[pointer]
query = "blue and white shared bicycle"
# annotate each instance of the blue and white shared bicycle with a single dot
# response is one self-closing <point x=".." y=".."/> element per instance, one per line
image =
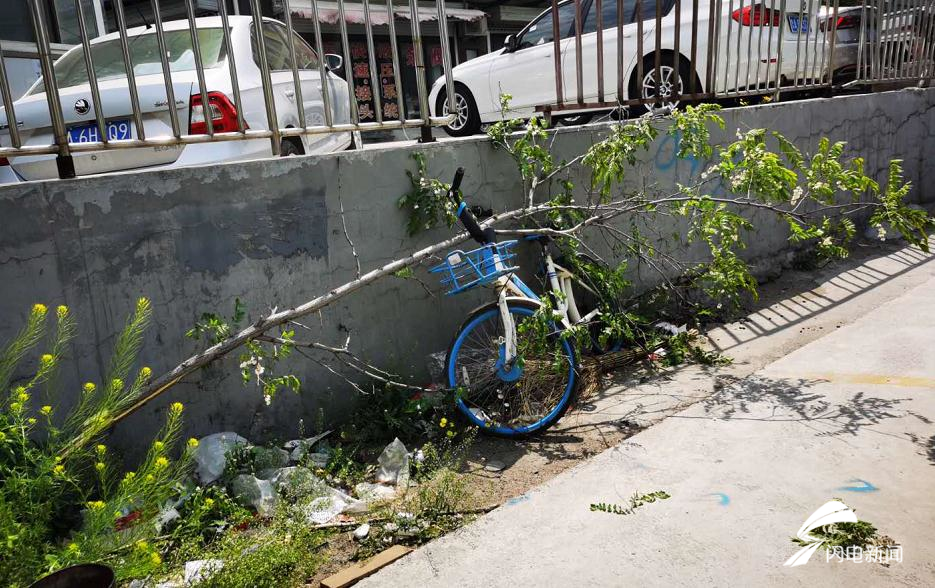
<point x="511" y="380"/>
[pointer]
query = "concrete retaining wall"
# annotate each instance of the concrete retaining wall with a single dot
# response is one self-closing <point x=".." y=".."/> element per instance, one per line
<point x="270" y="233"/>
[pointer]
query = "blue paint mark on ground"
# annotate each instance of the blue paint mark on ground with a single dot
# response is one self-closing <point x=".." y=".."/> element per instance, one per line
<point x="864" y="486"/>
<point x="723" y="499"/>
<point x="517" y="499"/>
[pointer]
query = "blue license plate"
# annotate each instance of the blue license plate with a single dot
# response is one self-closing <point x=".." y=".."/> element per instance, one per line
<point x="117" y="130"/>
<point x="794" y="23"/>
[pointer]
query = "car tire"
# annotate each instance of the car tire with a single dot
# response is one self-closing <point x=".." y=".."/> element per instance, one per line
<point x="291" y="146"/>
<point x="665" y="66"/>
<point x="468" y="121"/>
<point x="576" y="120"/>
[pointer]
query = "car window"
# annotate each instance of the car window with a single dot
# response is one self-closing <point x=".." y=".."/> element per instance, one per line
<point x="304" y="55"/>
<point x="540" y="31"/>
<point x="277" y="50"/>
<point x="609" y="13"/>
<point x="70" y="69"/>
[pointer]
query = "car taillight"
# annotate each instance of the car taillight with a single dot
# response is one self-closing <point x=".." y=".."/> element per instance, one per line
<point x="4" y="161"/>
<point x="757" y="16"/>
<point x="223" y="114"/>
<point x="847" y="21"/>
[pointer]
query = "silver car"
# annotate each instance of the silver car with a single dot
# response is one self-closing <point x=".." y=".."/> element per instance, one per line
<point x="33" y="120"/>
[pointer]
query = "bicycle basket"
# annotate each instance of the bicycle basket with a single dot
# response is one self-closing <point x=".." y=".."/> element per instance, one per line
<point x="462" y="270"/>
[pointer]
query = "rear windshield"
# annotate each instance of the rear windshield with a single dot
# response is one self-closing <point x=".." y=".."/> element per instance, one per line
<point x="144" y="53"/>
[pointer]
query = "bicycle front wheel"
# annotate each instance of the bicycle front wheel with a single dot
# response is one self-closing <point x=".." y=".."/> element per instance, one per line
<point x="515" y="400"/>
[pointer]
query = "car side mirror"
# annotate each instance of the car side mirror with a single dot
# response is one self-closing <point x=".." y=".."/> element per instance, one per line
<point x="333" y="62"/>
<point x="510" y="43"/>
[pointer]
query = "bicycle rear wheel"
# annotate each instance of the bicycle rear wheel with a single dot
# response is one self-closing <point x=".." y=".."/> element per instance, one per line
<point x="511" y="401"/>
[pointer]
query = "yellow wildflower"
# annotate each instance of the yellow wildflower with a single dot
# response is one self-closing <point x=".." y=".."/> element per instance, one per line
<point x="176" y="408"/>
<point x="192" y="443"/>
<point x="16" y="406"/>
<point x="99" y="466"/>
<point x="30" y="420"/>
<point x="209" y="502"/>
<point x="142" y="545"/>
<point x="101" y="449"/>
<point x="129" y="476"/>
<point x="59" y="470"/>
<point x="73" y="548"/>
<point x="46" y="410"/>
<point x="450" y="434"/>
<point x="161" y="463"/>
<point x="22" y="397"/>
<point x="159" y="445"/>
<point x="61" y="311"/>
<point x="146" y="372"/>
<point x="46" y="358"/>
<point x="154" y="557"/>
<point x="117" y="384"/>
<point x="443" y="423"/>
<point x="149" y="478"/>
<point x="96" y="505"/>
<point x="39" y="309"/>
<point x="89" y="387"/>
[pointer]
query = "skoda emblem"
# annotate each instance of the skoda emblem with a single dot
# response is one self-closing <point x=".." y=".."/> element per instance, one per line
<point x="82" y="106"/>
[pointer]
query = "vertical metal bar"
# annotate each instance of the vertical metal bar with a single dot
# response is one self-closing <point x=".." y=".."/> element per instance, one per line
<point x="557" y="55"/>
<point x="266" y="78"/>
<point x="798" y="44"/>
<point x="600" y="50"/>
<point x="769" y="44"/>
<point x="781" y="40"/>
<point x="676" y="56"/>
<point x="323" y="74"/>
<point x="815" y="29"/>
<point x="131" y="75"/>
<point x="419" y="58"/>
<point x="199" y="68"/>
<point x="916" y="42"/>
<point x="692" y="86"/>
<point x="834" y="41"/>
<point x="620" y="64"/>
<point x="861" y="40"/>
<point x="372" y="62"/>
<point x="740" y="29"/>
<point x="639" y="50"/>
<point x="64" y="161"/>
<point x="296" y="79"/>
<point x="391" y="18"/>
<point x="878" y="48"/>
<point x="232" y="64"/>
<point x="657" y="54"/>
<point x="92" y="76"/>
<point x="446" y="52"/>
<point x="166" y="72"/>
<point x="349" y="66"/>
<point x="727" y="44"/>
<point x="579" y="73"/>
<point x="891" y="20"/>
<point x="746" y="81"/>
<point x="714" y="46"/>
<point x="899" y="49"/>
<point x="9" y="110"/>
<point x="925" y="67"/>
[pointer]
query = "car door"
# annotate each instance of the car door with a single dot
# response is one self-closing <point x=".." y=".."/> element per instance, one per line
<point x="528" y="72"/>
<point x="279" y="63"/>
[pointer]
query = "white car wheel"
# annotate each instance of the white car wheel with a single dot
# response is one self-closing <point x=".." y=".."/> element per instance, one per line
<point x="670" y="85"/>
<point x="463" y="112"/>
<point x="467" y="120"/>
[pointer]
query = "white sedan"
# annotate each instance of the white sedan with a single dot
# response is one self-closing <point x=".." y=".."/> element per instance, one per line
<point x="35" y="128"/>
<point x="524" y="68"/>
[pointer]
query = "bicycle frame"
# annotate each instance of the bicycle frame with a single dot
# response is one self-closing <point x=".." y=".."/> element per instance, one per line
<point x="560" y="282"/>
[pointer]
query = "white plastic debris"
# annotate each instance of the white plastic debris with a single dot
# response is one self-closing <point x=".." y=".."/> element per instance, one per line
<point x="200" y="569"/>
<point x="373" y="492"/>
<point x="670" y="328"/>
<point x="255" y="492"/>
<point x="361" y="532"/>
<point x="166" y="517"/>
<point x="494" y="466"/>
<point x="418" y="456"/>
<point x="436" y="365"/>
<point x="297" y="448"/>
<point x="319" y="460"/>
<point x="324" y="508"/>
<point x="394" y="464"/>
<point x="211" y="455"/>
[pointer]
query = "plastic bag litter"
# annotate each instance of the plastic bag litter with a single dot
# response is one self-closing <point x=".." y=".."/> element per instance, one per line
<point x="324" y="508"/>
<point x="297" y="448"/>
<point x="394" y="464"/>
<point x="373" y="492"/>
<point x="211" y="455"/>
<point x="254" y="492"/>
<point x="670" y="328"/>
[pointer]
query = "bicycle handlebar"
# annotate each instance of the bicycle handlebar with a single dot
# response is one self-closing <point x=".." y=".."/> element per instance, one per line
<point x="464" y="214"/>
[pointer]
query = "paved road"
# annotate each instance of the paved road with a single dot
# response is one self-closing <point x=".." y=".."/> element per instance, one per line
<point x="850" y="415"/>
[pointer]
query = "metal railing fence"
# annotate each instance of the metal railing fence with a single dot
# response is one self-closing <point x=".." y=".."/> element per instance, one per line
<point x="274" y="132"/>
<point x="658" y="52"/>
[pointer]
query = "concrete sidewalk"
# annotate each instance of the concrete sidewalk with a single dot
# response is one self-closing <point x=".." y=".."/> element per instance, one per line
<point x="849" y="415"/>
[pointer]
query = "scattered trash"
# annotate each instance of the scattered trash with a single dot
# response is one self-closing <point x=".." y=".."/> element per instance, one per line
<point x="210" y="455"/>
<point x="296" y="482"/>
<point x="670" y="328"/>
<point x="299" y="447"/>
<point x="325" y="508"/>
<point x="373" y="492"/>
<point x="166" y="517"/>
<point x="251" y="491"/>
<point x="361" y="532"/>
<point x="494" y="466"/>
<point x="435" y="362"/>
<point x="265" y="458"/>
<point x="394" y="464"/>
<point x="319" y="460"/>
<point x="418" y="456"/>
<point x="200" y="569"/>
